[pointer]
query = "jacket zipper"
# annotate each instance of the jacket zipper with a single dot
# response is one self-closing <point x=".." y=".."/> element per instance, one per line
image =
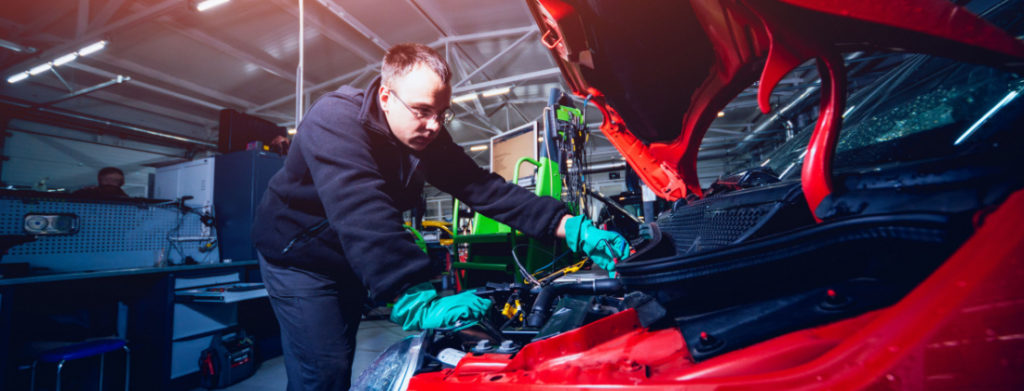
<point x="306" y="234"/>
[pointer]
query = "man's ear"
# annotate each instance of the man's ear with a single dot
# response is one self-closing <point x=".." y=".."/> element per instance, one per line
<point x="382" y="98"/>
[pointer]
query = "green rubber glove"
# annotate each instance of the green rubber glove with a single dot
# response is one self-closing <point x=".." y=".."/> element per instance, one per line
<point x="603" y="247"/>
<point x="420" y="308"/>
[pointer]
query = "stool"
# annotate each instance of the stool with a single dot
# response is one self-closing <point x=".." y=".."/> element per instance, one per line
<point x="83" y="350"/>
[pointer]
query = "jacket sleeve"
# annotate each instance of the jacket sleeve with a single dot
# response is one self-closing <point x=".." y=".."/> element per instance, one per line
<point x="338" y="153"/>
<point x="454" y="172"/>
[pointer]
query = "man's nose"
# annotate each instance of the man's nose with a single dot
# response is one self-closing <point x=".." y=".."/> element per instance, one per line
<point x="433" y="124"/>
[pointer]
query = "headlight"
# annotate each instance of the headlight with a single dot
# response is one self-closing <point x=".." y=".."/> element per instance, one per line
<point x="391" y="370"/>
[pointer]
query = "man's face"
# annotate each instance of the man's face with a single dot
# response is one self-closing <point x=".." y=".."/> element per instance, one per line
<point x="413" y="106"/>
<point x="112" y="179"/>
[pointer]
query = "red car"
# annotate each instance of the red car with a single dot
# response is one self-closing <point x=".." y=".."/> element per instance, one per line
<point x="878" y="248"/>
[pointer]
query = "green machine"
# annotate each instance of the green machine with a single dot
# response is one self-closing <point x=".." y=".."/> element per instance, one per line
<point x="492" y="247"/>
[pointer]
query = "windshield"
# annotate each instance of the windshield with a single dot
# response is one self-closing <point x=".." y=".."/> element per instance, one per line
<point x="925" y="107"/>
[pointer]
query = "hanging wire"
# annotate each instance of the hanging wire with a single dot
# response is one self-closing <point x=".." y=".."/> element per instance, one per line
<point x="522" y="269"/>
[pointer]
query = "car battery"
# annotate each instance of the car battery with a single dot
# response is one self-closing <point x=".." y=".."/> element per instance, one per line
<point x="229" y="360"/>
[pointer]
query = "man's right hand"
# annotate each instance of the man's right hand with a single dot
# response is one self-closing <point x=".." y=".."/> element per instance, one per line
<point x="421" y="308"/>
<point x="603" y="247"/>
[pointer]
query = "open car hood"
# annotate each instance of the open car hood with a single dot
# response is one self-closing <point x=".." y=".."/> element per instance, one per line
<point x="662" y="71"/>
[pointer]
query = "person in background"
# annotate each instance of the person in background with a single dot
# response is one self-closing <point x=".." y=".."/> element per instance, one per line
<point x="109" y="181"/>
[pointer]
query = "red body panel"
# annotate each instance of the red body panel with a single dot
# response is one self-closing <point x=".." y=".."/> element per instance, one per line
<point x="963" y="327"/>
<point x="767" y="39"/>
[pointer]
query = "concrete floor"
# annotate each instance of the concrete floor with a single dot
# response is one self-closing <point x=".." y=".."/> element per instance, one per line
<point x="374" y="337"/>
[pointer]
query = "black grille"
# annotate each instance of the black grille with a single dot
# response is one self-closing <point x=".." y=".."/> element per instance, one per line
<point x="703" y="227"/>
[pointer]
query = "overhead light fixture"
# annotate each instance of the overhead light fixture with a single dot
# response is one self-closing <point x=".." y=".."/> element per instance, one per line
<point x="478" y="148"/>
<point x="92" y="48"/>
<point x="18" y="77"/>
<point x="207" y="4"/>
<point x="40" y="69"/>
<point x="85" y="51"/>
<point x="721" y="114"/>
<point x="463" y="98"/>
<point x="65" y="59"/>
<point x="984" y="118"/>
<point x="292" y="131"/>
<point x="849" y="110"/>
<point x="16" y="47"/>
<point x="496" y="92"/>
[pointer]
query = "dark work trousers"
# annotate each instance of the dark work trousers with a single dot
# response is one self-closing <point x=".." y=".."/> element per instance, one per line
<point x="319" y="316"/>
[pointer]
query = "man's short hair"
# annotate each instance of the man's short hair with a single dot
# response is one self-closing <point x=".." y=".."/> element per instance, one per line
<point x="107" y="171"/>
<point x="402" y="58"/>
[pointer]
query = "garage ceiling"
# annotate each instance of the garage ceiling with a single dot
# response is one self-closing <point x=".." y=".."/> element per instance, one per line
<point x="167" y="69"/>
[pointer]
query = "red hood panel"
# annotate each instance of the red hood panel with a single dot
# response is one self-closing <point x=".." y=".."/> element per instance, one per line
<point x="661" y="72"/>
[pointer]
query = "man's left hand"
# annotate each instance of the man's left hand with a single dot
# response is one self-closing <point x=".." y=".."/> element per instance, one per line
<point x="603" y="247"/>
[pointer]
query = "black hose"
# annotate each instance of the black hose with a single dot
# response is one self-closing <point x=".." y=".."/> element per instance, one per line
<point x="542" y="305"/>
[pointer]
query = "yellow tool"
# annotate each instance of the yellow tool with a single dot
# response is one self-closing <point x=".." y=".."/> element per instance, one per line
<point x="512" y="311"/>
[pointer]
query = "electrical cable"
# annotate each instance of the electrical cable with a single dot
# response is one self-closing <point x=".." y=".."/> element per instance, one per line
<point x="522" y="269"/>
<point x="555" y="259"/>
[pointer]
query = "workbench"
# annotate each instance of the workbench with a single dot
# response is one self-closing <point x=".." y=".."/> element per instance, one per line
<point x="157" y="322"/>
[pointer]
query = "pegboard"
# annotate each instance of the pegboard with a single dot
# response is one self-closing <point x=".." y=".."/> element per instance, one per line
<point x="112" y="234"/>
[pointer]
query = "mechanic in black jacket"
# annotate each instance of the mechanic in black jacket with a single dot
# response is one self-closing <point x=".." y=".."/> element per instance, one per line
<point x="329" y="227"/>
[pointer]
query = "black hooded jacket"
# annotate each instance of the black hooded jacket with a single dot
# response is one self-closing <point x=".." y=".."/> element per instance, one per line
<point x="336" y="205"/>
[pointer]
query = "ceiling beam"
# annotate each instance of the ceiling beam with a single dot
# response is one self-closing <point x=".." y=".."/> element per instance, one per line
<point x="108" y="97"/>
<point x="334" y="81"/>
<point x="478" y="109"/>
<point x="99" y="33"/>
<point x="61" y="117"/>
<point x="138" y="83"/>
<point x="172" y="80"/>
<point x="351" y="20"/>
<point x="233" y="48"/>
<point x="483" y="120"/>
<point x="331" y="33"/>
<point x="87" y="137"/>
<point x="445" y="32"/>
<point x="481" y="36"/>
<point x="83" y="18"/>
<point x="495" y="58"/>
<point x="85" y="91"/>
<point x="550" y="72"/>
<point x="111" y="98"/>
<point x="43" y="22"/>
<point x="106" y="13"/>
<point x="15" y="47"/>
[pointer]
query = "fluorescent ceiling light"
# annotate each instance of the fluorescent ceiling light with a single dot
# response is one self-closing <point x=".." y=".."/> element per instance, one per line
<point x="205" y="5"/>
<point x="65" y="59"/>
<point x="977" y="124"/>
<point x="18" y="77"/>
<point x="496" y="92"/>
<point x="464" y="98"/>
<point x="16" y="47"/>
<point x="477" y="148"/>
<point x="721" y="114"/>
<point x="40" y="69"/>
<point x="849" y="110"/>
<point x="92" y="48"/>
<point x="292" y="131"/>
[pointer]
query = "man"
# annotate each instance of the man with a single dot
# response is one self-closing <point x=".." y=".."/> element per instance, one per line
<point x="329" y="228"/>
<point x="109" y="181"/>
